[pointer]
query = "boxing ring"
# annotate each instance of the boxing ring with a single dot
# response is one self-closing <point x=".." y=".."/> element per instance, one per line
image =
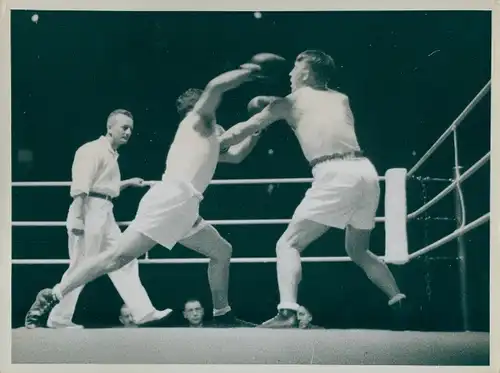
<point x="263" y="346"/>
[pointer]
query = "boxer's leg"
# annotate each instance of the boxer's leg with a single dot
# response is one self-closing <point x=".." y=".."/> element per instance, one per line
<point x="160" y="221"/>
<point x="62" y="314"/>
<point x="132" y="244"/>
<point x="357" y="245"/>
<point x="126" y="279"/>
<point x="358" y="232"/>
<point x="206" y="240"/>
<point x="297" y="237"/>
<point x="210" y="243"/>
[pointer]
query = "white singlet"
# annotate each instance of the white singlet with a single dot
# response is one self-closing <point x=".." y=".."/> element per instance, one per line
<point x="343" y="191"/>
<point x="168" y="211"/>
<point x="322" y="121"/>
<point x="194" y="153"/>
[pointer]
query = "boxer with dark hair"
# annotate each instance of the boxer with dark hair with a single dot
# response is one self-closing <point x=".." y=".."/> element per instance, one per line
<point x="168" y="211"/>
<point x="204" y="237"/>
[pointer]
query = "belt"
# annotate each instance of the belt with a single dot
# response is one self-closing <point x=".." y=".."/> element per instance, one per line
<point x="100" y="195"/>
<point x="342" y="156"/>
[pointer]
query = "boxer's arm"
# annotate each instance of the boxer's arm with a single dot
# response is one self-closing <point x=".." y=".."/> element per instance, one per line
<point x="274" y="112"/>
<point x="212" y="95"/>
<point x="237" y="153"/>
<point x="83" y="171"/>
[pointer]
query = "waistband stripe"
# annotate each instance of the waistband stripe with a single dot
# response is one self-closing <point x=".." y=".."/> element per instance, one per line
<point x="337" y="156"/>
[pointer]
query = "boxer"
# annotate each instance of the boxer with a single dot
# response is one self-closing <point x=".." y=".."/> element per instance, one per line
<point x="345" y="190"/>
<point x="170" y="208"/>
<point x="203" y="237"/>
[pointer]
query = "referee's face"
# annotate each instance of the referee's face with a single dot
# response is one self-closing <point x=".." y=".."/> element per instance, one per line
<point x="120" y="129"/>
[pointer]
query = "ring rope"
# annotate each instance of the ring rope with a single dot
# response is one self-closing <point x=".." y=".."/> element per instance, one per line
<point x="475" y="167"/>
<point x="458" y="232"/>
<point x="213" y="222"/>
<point x="451" y="128"/>
<point x="412" y="215"/>
<point x="454" y="184"/>
<point x="319" y="259"/>
<point x="297" y="180"/>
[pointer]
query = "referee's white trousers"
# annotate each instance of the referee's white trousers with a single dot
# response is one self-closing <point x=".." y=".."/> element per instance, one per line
<point x="102" y="233"/>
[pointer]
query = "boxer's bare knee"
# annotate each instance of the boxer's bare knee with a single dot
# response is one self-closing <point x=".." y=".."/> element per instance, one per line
<point x="210" y="243"/>
<point x="299" y="235"/>
<point x="286" y="243"/>
<point x="127" y="250"/>
<point x="221" y="253"/>
<point x="225" y="251"/>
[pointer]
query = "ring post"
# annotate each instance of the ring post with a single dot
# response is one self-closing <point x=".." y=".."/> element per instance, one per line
<point x="396" y="239"/>
<point x="462" y="255"/>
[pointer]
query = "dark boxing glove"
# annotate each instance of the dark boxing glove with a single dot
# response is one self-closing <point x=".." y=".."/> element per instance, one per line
<point x="265" y="65"/>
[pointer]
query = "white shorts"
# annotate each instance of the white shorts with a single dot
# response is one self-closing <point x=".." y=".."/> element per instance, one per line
<point x="167" y="212"/>
<point x="343" y="192"/>
<point x="198" y="225"/>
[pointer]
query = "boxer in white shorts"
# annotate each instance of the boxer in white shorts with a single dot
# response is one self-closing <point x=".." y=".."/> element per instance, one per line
<point x="345" y="191"/>
<point x="204" y="238"/>
<point x="170" y="208"/>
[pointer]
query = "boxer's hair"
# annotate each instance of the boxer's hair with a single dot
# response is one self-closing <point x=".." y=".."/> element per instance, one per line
<point x="321" y="64"/>
<point x="185" y="102"/>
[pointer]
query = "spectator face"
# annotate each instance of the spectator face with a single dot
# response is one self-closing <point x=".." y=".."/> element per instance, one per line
<point x="193" y="313"/>
<point x="126" y="317"/>
<point x="304" y="317"/>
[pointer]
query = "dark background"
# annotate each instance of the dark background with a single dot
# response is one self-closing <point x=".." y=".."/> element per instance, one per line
<point x="408" y="75"/>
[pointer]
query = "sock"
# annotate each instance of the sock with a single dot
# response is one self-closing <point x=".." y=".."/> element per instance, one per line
<point x="222" y="311"/>
<point x="288" y="306"/>
<point x="57" y="292"/>
<point x="396" y="299"/>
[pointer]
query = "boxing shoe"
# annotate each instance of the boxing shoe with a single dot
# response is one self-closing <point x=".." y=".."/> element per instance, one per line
<point x="155" y="318"/>
<point x="228" y="320"/>
<point x="39" y="311"/>
<point x="62" y="324"/>
<point x="283" y="320"/>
